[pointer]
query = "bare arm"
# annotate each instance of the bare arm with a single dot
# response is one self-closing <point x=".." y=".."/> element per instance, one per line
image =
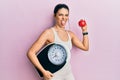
<point x="84" y="44"/>
<point x="44" y="37"/>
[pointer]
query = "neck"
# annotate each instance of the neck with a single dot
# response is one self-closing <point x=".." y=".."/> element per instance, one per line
<point x="59" y="27"/>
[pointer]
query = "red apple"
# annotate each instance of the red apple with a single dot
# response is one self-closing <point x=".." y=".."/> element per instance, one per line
<point x="82" y="23"/>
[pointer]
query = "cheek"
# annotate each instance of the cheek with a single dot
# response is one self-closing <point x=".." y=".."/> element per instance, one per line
<point x="58" y="19"/>
<point x="67" y="18"/>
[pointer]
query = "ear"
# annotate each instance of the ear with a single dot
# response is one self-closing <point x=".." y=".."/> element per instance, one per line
<point x="54" y="15"/>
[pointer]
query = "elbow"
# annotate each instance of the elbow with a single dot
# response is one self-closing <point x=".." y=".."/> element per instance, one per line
<point x="29" y="54"/>
<point x="86" y="49"/>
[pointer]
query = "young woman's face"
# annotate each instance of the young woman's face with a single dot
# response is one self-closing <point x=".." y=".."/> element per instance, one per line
<point x="62" y="17"/>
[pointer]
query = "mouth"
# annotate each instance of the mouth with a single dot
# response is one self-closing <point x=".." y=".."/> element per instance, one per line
<point x="63" y="22"/>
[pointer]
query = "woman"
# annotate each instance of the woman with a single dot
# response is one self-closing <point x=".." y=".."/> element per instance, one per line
<point x="55" y="34"/>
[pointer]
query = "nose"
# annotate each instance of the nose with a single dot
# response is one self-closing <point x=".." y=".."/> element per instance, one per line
<point x="63" y="17"/>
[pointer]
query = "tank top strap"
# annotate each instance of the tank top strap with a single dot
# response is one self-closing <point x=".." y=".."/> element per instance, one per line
<point x="69" y="38"/>
<point x="53" y="31"/>
<point x="55" y="35"/>
<point x="69" y="41"/>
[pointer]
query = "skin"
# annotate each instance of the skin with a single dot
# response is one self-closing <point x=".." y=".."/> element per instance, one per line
<point x="47" y="37"/>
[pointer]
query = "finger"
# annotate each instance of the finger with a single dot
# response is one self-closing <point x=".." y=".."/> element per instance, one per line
<point x="51" y="74"/>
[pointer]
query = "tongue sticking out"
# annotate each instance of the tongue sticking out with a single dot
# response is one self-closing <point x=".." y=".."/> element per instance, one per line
<point x="63" y="23"/>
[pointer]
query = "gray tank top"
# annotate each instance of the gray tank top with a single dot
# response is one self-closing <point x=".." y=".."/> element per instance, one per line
<point x="66" y="43"/>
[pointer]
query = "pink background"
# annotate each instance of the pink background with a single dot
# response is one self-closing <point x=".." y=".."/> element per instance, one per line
<point x="22" y="21"/>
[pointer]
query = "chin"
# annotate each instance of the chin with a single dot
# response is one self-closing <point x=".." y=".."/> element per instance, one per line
<point x="63" y="26"/>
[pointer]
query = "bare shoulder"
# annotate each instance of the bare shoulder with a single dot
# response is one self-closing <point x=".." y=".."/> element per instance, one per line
<point x="47" y="32"/>
<point x="70" y="32"/>
<point x="47" y="35"/>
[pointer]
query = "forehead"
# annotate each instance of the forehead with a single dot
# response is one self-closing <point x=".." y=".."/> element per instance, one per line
<point x="63" y="11"/>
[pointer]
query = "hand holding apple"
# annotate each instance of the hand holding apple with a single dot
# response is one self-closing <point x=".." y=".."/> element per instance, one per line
<point x="82" y="23"/>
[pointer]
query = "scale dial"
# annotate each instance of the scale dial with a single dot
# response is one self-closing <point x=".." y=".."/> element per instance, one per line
<point x="57" y="54"/>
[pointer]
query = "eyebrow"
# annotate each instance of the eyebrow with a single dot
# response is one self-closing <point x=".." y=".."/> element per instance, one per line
<point x="63" y="14"/>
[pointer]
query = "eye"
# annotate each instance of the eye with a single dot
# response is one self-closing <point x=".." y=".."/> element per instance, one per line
<point x="67" y="15"/>
<point x="60" y="14"/>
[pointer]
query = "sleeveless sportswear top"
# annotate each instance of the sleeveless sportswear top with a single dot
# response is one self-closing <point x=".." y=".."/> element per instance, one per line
<point x="66" y="43"/>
